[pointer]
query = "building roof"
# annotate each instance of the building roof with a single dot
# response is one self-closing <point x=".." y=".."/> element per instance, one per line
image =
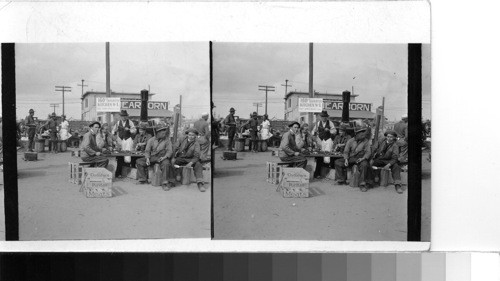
<point x="353" y="114"/>
<point x="316" y="94"/>
<point x="113" y="93"/>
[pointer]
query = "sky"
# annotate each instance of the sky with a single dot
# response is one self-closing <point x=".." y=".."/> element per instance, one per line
<point x="373" y="70"/>
<point x="170" y="70"/>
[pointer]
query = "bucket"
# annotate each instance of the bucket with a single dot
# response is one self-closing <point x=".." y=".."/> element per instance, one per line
<point x="240" y="144"/>
<point x="64" y="146"/>
<point x="40" y="145"/>
<point x="263" y="146"/>
<point x="384" y="177"/>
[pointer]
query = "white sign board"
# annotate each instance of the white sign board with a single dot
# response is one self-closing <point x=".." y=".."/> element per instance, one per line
<point x="310" y="105"/>
<point x="108" y="104"/>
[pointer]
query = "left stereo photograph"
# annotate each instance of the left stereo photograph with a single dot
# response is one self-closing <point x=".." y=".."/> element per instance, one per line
<point x="112" y="140"/>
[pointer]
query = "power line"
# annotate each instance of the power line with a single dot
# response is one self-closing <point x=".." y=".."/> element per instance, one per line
<point x="266" y="89"/>
<point x="63" y="89"/>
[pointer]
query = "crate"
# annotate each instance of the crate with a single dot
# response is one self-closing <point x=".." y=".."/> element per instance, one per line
<point x="97" y="183"/>
<point x="295" y="183"/>
<point x="229" y="155"/>
<point x="30" y="156"/>
<point x="76" y="171"/>
<point x="274" y="172"/>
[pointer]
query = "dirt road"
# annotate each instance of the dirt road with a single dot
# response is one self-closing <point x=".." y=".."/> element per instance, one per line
<point x="51" y="208"/>
<point x="247" y="207"/>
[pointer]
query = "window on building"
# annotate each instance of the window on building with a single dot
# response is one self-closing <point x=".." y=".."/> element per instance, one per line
<point x="99" y="119"/>
<point x="86" y="102"/>
<point x="289" y="103"/>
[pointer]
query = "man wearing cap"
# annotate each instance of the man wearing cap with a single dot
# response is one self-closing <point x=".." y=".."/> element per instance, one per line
<point x="341" y="139"/>
<point x="253" y="125"/>
<point x="289" y="151"/>
<point x="124" y="124"/>
<point x="31" y="124"/>
<point x="230" y="122"/>
<point x="141" y="139"/>
<point x="52" y="126"/>
<point x="90" y="151"/>
<point x="158" y="150"/>
<point x="187" y="154"/>
<point x="357" y="151"/>
<point x="202" y="127"/>
<point x="386" y="156"/>
<point x="401" y="129"/>
<point x="323" y="124"/>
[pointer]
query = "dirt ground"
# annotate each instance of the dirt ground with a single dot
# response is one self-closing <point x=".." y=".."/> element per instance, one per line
<point x="51" y="208"/>
<point x="247" y="207"/>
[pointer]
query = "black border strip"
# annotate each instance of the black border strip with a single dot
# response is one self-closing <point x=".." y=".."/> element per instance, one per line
<point x="212" y="233"/>
<point x="414" y="142"/>
<point x="9" y="142"/>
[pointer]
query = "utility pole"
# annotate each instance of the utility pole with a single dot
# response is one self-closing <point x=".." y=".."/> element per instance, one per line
<point x="108" y="81"/>
<point x="286" y="91"/>
<point x="63" y="89"/>
<point x="54" y="105"/>
<point x="311" y="90"/>
<point x="82" y="85"/>
<point x="266" y="89"/>
<point x="257" y="104"/>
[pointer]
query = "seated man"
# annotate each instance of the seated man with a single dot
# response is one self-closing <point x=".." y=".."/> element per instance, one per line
<point x="90" y="151"/>
<point x="341" y="139"/>
<point x="289" y="151"/>
<point x="141" y="139"/>
<point x="386" y="156"/>
<point x="357" y="152"/>
<point x="158" y="150"/>
<point x="187" y="153"/>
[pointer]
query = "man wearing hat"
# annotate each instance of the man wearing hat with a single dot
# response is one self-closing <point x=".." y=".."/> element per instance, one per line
<point x="341" y="139"/>
<point x="141" y="139"/>
<point x="401" y="129"/>
<point x="158" y="150"/>
<point x="386" y="156"/>
<point x="90" y="150"/>
<point x="123" y="125"/>
<point x="357" y="151"/>
<point x="187" y="153"/>
<point x="52" y="125"/>
<point x="230" y="122"/>
<point x="253" y="125"/>
<point x="31" y="124"/>
<point x="202" y="127"/>
<point x="324" y="124"/>
<point x="289" y="151"/>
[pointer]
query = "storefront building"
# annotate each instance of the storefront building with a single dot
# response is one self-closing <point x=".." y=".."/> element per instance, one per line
<point x="129" y="101"/>
<point x="332" y="103"/>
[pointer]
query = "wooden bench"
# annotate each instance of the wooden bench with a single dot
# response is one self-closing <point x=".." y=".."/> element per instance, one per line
<point x="76" y="171"/>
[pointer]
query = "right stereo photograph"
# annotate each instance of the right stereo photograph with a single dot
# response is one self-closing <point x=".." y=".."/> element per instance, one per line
<point x="315" y="141"/>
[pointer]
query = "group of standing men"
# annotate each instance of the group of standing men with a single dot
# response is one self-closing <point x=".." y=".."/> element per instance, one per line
<point x="58" y="130"/>
<point x="388" y="152"/>
<point x="258" y="129"/>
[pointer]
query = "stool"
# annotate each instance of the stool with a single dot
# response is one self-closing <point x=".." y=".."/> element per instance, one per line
<point x="156" y="179"/>
<point x="76" y="171"/>
<point x="187" y="175"/>
<point x="354" y="182"/>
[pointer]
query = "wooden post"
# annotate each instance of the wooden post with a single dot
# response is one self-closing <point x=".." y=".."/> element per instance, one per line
<point x="311" y="91"/>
